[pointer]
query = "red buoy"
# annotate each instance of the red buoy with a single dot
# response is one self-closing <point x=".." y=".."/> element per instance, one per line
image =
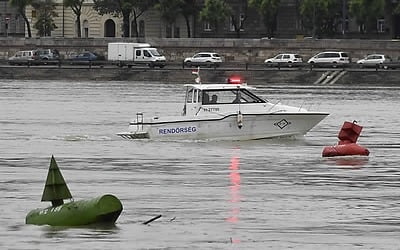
<point x="347" y="145"/>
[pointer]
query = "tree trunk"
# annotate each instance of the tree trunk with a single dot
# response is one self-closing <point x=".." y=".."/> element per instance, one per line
<point x="188" y="26"/>
<point x="125" y="24"/>
<point x="135" y="26"/>
<point x="78" y="26"/>
<point x="28" y="25"/>
<point x="135" y="32"/>
<point x="389" y="7"/>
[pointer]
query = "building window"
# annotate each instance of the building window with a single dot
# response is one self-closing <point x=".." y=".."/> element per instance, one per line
<point x="361" y="28"/>
<point x="232" y="23"/>
<point x="207" y="26"/>
<point x="141" y="28"/>
<point x="380" y="25"/>
<point x="86" y="29"/>
<point x="241" y="23"/>
<point x="168" y="31"/>
<point x="109" y="28"/>
<point x="177" y="32"/>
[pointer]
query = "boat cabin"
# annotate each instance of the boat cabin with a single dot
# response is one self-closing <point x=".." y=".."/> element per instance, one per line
<point x="217" y="97"/>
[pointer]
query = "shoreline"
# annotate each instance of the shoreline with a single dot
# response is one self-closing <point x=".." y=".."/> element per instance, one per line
<point x="297" y="76"/>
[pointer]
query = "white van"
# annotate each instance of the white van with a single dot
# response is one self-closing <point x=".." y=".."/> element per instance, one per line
<point x="134" y="54"/>
<point x="330" y="57"/>
<point x="22" y="57"/>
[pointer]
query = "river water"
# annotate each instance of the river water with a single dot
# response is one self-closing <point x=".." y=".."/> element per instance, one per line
<point x="263" y="194"/>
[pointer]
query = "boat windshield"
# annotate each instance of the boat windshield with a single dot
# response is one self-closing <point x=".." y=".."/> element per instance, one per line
<point x="229" y="96"/>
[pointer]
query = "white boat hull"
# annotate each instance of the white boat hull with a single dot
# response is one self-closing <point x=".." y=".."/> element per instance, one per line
<point x="253" y="126"/>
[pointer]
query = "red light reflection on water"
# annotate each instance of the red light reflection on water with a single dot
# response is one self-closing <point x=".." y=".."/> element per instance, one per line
<point x="234" y="177"/>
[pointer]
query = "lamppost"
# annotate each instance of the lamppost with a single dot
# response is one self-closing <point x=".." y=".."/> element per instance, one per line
<point x="344" y="16"/>
<point x="63" y="20"/>
<point x="7" y="22"/>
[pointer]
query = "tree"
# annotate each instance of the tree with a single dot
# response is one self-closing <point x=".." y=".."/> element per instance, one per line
<point x="188" y="9"/>
<point x="45" y="12"/>
<point x="367" y="12"/>
<point x="76" y="6"/>
<point x="239" y="16"/>
<point x="20" y="5"/>
<point x="215" y="12"/>
<point x="392" y="10"/>
<point x="320" y="16"/>
<point x="169" y="9"/>
<point x="268" y="9"/>
<point x="124" y="8"/>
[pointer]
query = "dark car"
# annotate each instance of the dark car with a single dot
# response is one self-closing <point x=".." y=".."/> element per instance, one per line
<point x="46" y="56"/>
<point x="86" y="58"/>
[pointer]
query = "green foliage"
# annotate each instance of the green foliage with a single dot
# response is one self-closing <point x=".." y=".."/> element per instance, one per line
<point x="367" y="12"/>
<point x="108" y="7"/>
<point x="397" y="9"/>
<point x="189" y="7"/>
<point x="169" y="9"/>
<point x="45" y="12"/>
<point x="321" y="16"/>
<point x="75" y="5"/>
<point x="20" y="4"/>
<point x="268" y="9"/>
<point x="215" y="12"/>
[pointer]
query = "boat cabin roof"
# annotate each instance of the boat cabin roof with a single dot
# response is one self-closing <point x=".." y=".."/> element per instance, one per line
<point x="218" y="86"/>
<point x="211" y="94"/>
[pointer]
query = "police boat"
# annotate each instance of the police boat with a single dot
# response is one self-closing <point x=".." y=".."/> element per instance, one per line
<point x="227" y="111"/>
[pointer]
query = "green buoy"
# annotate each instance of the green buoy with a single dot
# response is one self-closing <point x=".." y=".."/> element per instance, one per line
<point x="104" y="209"/>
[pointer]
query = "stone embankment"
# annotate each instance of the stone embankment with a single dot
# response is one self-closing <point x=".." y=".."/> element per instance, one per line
<point x="302" y="76"/>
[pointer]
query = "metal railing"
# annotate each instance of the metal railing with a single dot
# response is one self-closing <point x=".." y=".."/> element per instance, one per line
<point x="180" y="65"/>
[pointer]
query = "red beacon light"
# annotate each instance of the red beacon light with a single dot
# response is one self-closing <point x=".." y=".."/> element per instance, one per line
<point x="235" y="80"/>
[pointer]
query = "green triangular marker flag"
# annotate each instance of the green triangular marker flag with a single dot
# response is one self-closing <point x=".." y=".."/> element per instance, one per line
<point x="55" y="190"/>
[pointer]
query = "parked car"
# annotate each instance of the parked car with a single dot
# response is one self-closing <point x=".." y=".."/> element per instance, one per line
<point x="330" y="58"/>
<point x="374" y="60"/>
<point x="204" y="59"/>
<point x="46" y="54"/>
<point x="21" y="57"/>
<point x="286" y="59"/>
<point x="87" y="57"/>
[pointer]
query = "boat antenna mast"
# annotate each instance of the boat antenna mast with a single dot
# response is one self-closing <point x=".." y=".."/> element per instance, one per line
<point x="197" y="73"/>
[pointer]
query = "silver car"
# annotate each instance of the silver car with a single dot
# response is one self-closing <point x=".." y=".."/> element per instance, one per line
<point x="21" y="57"/>
<point x="284" y="59"/>
<point x="374" y="60"/>
<point x="331" y="58"/>
<point x="208" y="59"/>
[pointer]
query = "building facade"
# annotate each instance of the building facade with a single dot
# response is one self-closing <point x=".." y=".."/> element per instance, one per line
<point x="244" y="22"/>
<point x="11" y="22"/>
<point x="95" y="25"/>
